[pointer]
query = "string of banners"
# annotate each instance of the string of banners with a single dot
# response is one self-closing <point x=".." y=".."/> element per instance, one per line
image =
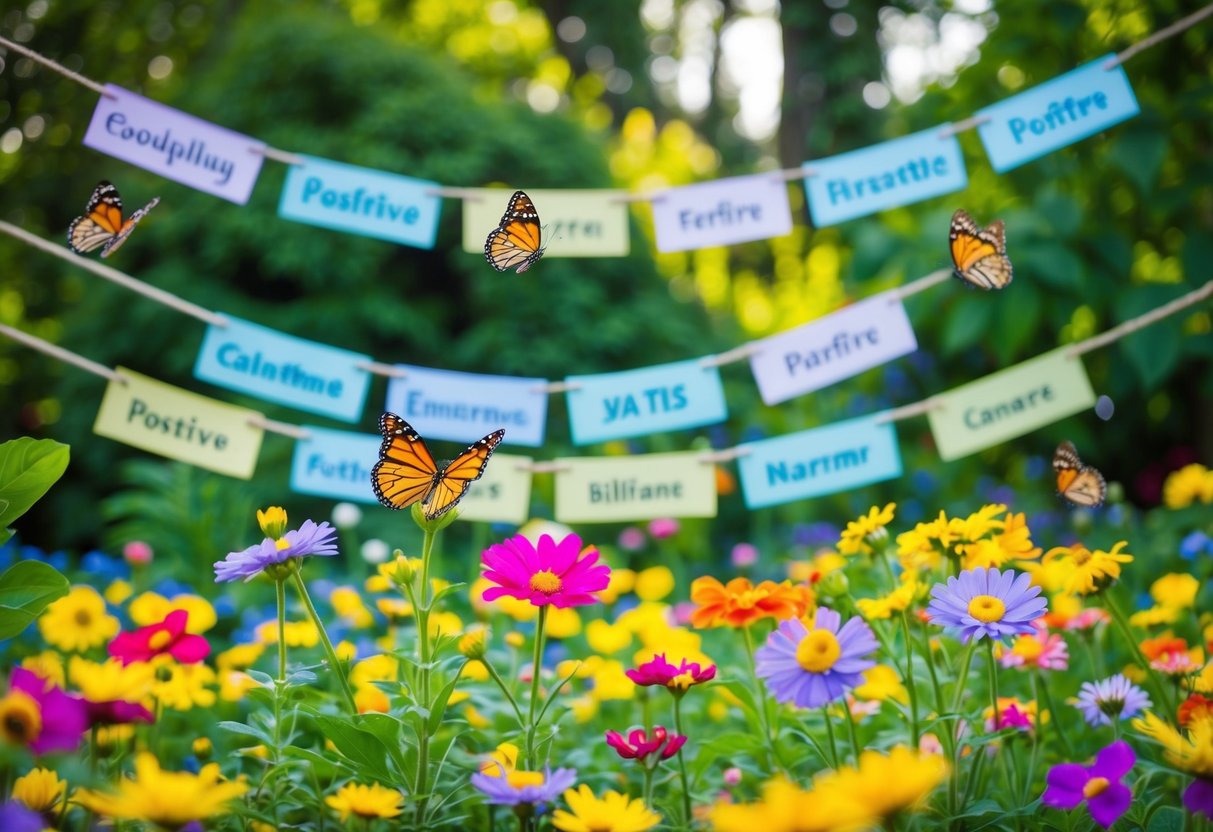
<point x="179" y="424"/>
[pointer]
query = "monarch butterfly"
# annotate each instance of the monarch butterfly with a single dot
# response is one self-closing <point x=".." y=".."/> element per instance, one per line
<point x="102" y="223"/>
<point x="1080" y="484"/>
<point x="979" y="256"/>
<point x="406" y="472"/>
<point x="515" y="240"/>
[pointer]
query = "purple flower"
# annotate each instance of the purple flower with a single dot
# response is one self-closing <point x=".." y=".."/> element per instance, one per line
<point x="40" y="715"/>
<point x="1099" y="785"/>
<point x="512" y="788"/>
<point x="1111" y="699"/>
<point x="16" y="817"/>
<point x="1198" y="797"/>
<point x="813" y="667"/>
<point x="308" y="539"/>
<point x="986" y="602"/>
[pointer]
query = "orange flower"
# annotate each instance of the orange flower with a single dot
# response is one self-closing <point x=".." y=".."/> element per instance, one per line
<point x="1161" y="647"/>
<point x="1194" y="708"/>
<point x="739" y="603"/>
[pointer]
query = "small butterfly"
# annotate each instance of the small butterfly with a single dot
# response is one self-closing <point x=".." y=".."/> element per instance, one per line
<point x="979" y="256"/>
<point x="515" y="240"/>
<point x="1080" y="484"/>
<point x="102" y="223"/>
<point x="406" y="472"/>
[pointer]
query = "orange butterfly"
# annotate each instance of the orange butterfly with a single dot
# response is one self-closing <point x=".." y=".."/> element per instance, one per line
<point x="515" y="240"/>
<point x="979" y="256"/>
<point x="406" y="471"/>
<point x="102" y="223"/>
<point x="1080" y="484"/>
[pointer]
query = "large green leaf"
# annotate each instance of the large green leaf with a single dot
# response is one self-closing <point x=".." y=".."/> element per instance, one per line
<point x="365" y="751"/>
<point x="28" y="468"/>
<point x="26" y="588"/>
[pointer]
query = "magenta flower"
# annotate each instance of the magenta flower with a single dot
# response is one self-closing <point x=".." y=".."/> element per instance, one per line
<point x="561" y="574"/>
<point x="168" y="637"/>
<point x="677" y="678"/>
<point x="1099" y="785"/>
<point x="41" y="716"/>
<point x="663" y="527"/>
<point x="648" y="751"/>
<point x="813" y="666"/>
<point x="983" y="602"/>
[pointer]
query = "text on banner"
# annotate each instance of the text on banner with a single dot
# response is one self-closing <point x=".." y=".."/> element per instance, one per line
<point x="463" y="407"/>
<point x="722" y="212"/>
<point x="644" y="487"/>
<point x="576" y="223"/>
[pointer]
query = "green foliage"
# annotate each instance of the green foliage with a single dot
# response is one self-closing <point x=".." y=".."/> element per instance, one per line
<point x="26" y="588"/>
<point x="28" y="468"/>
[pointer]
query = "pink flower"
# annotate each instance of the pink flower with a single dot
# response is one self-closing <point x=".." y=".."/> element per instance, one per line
<point x="663" y="527"/>
<point x="169" y="636"/>
<point x="744" y="554"/>
<point x="648" y="751"/>
<point x="41" y="716"/>
<point x="1039" y="649"/>
<point x="632" y="539"/>
<point x="732" y="776"/>
<point x="658" y="671"/>
<point x="137" y="553"/>
<point x="560" y="574"/>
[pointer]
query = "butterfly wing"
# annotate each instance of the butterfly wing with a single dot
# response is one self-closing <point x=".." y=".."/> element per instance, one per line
<point x="127" y="227"/>
<point x="405" y="472"/>
<point x="516" y="241"/>
<point x="1080" y="484"/>
<point x="101" y="221"/>
<point x="459" y="475"/>
<point x="979" y="255"/>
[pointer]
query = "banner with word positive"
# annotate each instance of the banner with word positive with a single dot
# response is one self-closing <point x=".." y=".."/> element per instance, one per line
<point x="722" y="212"/>
<point x="576" y="223"/>
<point x="1057" y="113"/>
<point x="463" y="407"/>
<point x="865" y="334"/>
<point x="883" y="176"/>
<point x="175" y="145"/>
<point x="361" y="201"/>
<point x="684" y="394"/>
<point x="1009" y="403"/>
<point x="175" y="423"/>
<point x="644" y="487"/>
<point x="819" y="461"/>
<point x="281" y="368"/>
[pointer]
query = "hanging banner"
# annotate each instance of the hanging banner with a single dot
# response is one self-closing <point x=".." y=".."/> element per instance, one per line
<point x="281" y="368"/>
<point x="503" y="494"/>
<point x="175" y="423"/>
<point x="361" y="201"/>
<point x="1009" y="403"/>
<point x="175" y="145"/>
<point x="865" y="334"/>
<point x="722" y="212"/>
<point x="649" y="400"/>
<point x="1056" y="113"/>
<point x="645" y="487"/>
<point x="575" y="223"/>
<point x="820" y="461"/>
<point x="883" y="176"/>
<point x="463" y="407"/>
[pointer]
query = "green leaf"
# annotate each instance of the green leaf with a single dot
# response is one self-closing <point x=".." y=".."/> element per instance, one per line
<point x="387" y="729"/>
<point x="364" y="750"/>
<point x="1139" y="152"/>
<point x="28" y="468"/>
<point x="1049" y="264"/>
<point x="1167" y="819"/>
<point x="248" y="731"/>
<point x="26" y="588"/>
<point x="438" y="710"/>
<point x="967" y="322"/>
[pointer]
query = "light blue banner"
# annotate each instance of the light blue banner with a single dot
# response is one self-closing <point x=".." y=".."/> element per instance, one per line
<point x="883" y="176"/>
<point x="282" y="368"/>
<point x="820" y="461"/>
<point x="463" y="407"/>
<point x="361" y="201"/>
<point x="1057" y="113"/>
<point x="649" y="400"/>
<point x="336" y="464"/>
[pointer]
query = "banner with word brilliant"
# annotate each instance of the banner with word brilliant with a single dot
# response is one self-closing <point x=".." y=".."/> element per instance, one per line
<point x="575" y="223"/>
<point x="463" y="407"/>
<point x="644" y="487"/>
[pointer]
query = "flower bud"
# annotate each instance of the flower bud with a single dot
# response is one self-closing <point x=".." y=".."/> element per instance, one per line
<point x="272" y="522"/>
<point x="473" y="645"/>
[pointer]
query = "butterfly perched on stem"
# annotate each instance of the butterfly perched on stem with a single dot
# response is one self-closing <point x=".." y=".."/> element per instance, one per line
<point x="1079" y="484"/>
<point x="516" y="239"/>
<point x="102" y="223"/>
<point x="406" y="472"/>
<point x="979" y="255"/>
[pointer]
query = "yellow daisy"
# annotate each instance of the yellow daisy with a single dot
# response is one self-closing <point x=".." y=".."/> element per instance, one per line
<point x="1192" y="752"/>
<point x="78" y="621"/>
<point x="366" y="802"/>
<point x="1188" y="485"/>
<point x="613" y="812"/>
<point x="886" y="784"/>
<point x="41" y="790"/>
<point x="1091" y="571"/>
<point x="166" y="798"/>
<point x="863" y="533"/>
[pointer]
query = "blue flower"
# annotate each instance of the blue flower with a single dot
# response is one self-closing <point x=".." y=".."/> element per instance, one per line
<point x="1107" y="700"/>
<point x="105" y="566"/>
<point x="510" y="789"/>
<point x="986" y="602"/>
<point x="1194" y="544"/>
<point x="308" y="539"/>
<point x="811" y="667"/>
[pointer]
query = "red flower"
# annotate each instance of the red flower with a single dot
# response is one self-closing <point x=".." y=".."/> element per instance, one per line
<point x="169" y="636"/>
<point x="639" y="746"/>
<point x="678" y="678"/>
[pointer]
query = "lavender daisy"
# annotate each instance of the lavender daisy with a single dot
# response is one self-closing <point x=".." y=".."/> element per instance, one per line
<point x="986" y="602"/>
<point x="278" y="547"/>
<point x="510" y="788"/>
<point x="811" y="667"/>
<point x="1111" y="699"/>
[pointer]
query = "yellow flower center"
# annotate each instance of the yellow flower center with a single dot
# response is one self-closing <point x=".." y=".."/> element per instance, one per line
<point x="546" y="581"/>
<point x="1030" y="648"/>
<point x="1080" y="554"/>
<point x="159" y="640"/>
<point x="987" y="608"/>
<point x="1095" y="787"/>
<point x="281" y="543"/>
<point x="818" y="651"/>
<point x="84" y="618"/>
<point x="20" y="718"/>
<point x="522" y="779"/>
<point x="682" y="681"/>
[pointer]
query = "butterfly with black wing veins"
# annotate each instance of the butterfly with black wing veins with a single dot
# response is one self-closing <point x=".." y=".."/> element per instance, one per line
<point x="516" y="239"/>
<point x="102" y="223"/>
<point x="979" y="255"/>
<point x="1079" y="484"/>
<point x="406" y="472"/>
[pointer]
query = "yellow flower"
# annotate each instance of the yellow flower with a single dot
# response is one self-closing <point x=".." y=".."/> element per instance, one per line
<point x="366" y="802"/>
<point x="1192" y="753"/>
<point x="298" y="633"/>
<point x="110" y="736"/>
<point x="514" y="608"/>
<point x="887" y="784"/>
<point x="111" y="680"/>
<point x="868" y="529"/>
<point x="1012" y="543"/>
<point x="151" y="608"/>
<point x="880" y="683"/>
<point x="234" y="685"/>
<point x="1154" y="616"/>
<point x="584" y="708"/>
<point x="240" y="657"/>
<point x="607" y="638"/>
<point x="77" y="621"/>
<point x="41" y="790"/>
<point x="474" y="718"/>
<point x="786" y="807"/>
<point x="1187" y="485"/>
<point x="1051" y="572"/>
<point x="203" y="748"/>
<point x="166" y="798"/>
<point x="371" y="699"/>
<point x="923" y="546"/>
<point x="981" y="522"/>
<point x="901" y="598"/>
<point x="381" y="668"/>
<point x="622" y="581"/>
<point x="48" y="664"/>
<point x="118" y="592"/>
<point x="611" y="682"/>
<point x="473" y="645"/>
<point x="1176" y="590"/>
<point x="563" y="623"/>
<point x="446" y="623"/>
<point x="272" y="522"/>
<point x="1092" y="571"/>
<point x="502" y="761"/>
<point x="347" y="603"/>
<point x="613" y="812"/>
<point x="182" y="686"/>
<point x="654" y="583"/>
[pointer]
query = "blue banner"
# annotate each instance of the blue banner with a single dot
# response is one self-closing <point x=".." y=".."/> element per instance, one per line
<point x="336" y="464"/>
<point x="463" y="407"/>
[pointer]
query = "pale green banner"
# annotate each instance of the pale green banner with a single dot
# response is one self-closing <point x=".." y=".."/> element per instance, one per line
<point x="178" y="424"/>
<point x="503" y="494"/>
<point x="575" y="223"/>
<point x="611" y="489"/>
<point x="1010" y="403"/>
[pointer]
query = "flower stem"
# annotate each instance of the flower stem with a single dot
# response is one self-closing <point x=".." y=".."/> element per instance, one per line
<point x="830" y="735"/>
<point x="760" y="704"/>
<point x="329" y="652"/>
<point x="994" y="685"/>
<point x="648" y="786"/>
<point x="852" y="729"/>
<point x="910" y="686"/>
<point x="682" y="766"/>
<point x="536" y="670"/>
<point x="1118" y="615"/>
<point x="281" y="582"/>
<point x="963" y="676"/>
<point x="496" y="677"/>
<point x="421" y="615"/>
